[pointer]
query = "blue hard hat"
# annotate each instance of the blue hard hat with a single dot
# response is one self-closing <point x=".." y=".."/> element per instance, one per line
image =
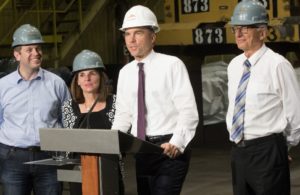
<point x="249" y="12"/>
<point x="26" y="35"/>
<point x="87" y="59"/>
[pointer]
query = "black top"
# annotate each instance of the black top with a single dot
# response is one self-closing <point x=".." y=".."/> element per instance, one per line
<point x="103" y="119"/>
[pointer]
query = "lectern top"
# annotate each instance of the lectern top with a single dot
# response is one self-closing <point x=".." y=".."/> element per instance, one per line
<point x="99" y="141"/>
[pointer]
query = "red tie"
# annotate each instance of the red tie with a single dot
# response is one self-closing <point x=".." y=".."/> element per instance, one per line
<point x="141" y="121"/>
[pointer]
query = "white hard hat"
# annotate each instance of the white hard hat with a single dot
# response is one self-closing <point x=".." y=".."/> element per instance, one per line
<point x="139" y="16"/>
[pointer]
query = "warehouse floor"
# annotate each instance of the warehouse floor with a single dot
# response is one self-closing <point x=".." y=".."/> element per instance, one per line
<point x="210" y="172"/>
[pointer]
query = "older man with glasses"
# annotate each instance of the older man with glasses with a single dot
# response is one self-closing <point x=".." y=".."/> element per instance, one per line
<point x="263" y="117"/>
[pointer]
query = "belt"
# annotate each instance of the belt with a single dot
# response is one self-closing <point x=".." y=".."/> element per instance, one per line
<point x="29" y="149"/>
<point x="158" y="138"/>
<point x="245" y="143"/>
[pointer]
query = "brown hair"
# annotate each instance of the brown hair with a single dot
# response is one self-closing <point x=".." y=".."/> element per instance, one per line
<point x="104" y="89"/>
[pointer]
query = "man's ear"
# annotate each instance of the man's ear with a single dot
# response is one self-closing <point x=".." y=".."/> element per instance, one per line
<point x="263" y="34"/>
<point x="17" y="55"/>
<point x="153" y="38"/>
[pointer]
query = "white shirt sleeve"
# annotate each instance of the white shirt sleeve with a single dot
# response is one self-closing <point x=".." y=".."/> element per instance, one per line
<point x="123" y="117"/>
<point x="184" y="101"/>
<point x="290" y="93"/>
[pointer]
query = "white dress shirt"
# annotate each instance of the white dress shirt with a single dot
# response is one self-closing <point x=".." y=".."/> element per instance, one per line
<point x="169" y="97"/>
<point x="272" y="96"/>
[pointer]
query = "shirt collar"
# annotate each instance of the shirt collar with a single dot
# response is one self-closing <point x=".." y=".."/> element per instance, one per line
<point x="257" y="55"/>
<point x="147" y="59"/>
<point x="39" y="76"/>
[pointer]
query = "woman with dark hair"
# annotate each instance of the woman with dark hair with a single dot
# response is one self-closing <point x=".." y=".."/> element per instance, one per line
<point x="92" y="106"/>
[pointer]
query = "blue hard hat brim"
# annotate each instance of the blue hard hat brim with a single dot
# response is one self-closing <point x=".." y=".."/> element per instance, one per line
<point x="98" y="68"/>
<point x="32" y="43"/>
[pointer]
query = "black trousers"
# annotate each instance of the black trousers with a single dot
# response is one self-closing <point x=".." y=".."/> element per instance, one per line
<point x="157" y="174"/>
<point x="261" y="167"/>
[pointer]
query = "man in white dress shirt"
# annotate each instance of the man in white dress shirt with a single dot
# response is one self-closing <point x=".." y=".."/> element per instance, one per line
<point x="269" y="119"/>
<point x="171" y="111"/>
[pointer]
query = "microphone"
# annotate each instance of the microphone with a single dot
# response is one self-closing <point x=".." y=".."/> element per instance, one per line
<point x="87" y="120"/>
<point x="87" y="116"/>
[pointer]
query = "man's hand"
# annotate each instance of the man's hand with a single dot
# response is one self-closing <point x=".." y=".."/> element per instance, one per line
<point x="170" y="150"/>
<point x="290" y="159"/>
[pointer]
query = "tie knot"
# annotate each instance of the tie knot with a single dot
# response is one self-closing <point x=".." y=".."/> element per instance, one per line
<point x="247" y="63"/>
<point x="141" y="65"/>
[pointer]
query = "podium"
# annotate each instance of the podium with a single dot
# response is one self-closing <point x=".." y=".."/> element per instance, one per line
<point x="106" y="143"/>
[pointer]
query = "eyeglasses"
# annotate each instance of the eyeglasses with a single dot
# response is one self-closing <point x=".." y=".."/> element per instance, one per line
<point x="242" y="29"/>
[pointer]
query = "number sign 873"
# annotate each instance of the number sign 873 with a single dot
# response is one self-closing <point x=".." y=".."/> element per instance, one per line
<point x="209" y="36"/>
<point x="194" y="6"/>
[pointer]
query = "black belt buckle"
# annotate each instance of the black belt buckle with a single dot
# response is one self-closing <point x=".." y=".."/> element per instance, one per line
<point x="33" y="149"/>
<point x="158" y="138"/>
<point x="241" y="144"/>
<point x="245" y="143"/>
<point x="28" y="149"/>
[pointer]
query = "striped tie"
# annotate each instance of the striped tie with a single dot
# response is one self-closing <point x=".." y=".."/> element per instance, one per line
<point x="239" y="108"/>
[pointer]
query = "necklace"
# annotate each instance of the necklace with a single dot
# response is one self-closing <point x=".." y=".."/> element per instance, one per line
<point x="98" y="106"/>
<point x="87" y="108"/>
<point x="91" y="107"/>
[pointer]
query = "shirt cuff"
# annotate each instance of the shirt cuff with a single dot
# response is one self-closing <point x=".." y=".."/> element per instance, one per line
<point x="178" y="142"/>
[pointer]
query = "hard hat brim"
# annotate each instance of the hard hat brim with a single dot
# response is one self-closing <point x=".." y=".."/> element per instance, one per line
<point x="96" y="68"/>
<point x="154" y="28"/>
<point x="33" y="43"/>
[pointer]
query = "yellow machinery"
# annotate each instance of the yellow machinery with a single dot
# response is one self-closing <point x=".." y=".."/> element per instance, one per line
<point x="205" y="22"/>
